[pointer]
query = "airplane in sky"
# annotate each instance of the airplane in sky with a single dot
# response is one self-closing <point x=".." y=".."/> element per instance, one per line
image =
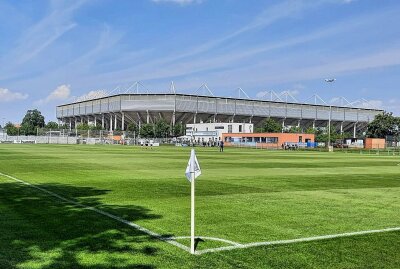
<point x="330" y="79"/>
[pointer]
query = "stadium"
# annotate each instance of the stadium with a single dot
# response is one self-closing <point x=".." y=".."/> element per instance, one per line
<point x="117" y="111"/>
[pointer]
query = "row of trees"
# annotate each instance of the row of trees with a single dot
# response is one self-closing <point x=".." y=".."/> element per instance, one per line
<point x="160" y="129"/>
<point x="383" y="125"/>
<point x="32" y="120"/>
<point x="321" y="134"/>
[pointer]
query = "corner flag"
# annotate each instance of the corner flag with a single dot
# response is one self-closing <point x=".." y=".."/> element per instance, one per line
<point x="192" y="167"/>
<point x="191" y="173"/>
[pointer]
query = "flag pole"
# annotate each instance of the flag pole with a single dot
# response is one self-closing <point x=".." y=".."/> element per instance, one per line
<point x="192" y="173"/>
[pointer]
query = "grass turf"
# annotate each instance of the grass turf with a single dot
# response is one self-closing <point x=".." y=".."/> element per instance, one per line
<point x="243" y="195"/>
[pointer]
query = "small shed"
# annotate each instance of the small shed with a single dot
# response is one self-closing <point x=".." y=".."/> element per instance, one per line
<point x="375" y="143"/>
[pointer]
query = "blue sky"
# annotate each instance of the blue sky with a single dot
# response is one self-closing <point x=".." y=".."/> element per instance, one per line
<point x="54" y="51"/>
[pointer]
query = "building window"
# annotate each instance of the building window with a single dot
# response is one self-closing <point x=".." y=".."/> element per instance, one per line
<point x="272" y="140"/>
<point x="219" y="127"/>
<point x="240" y="128"/>
<point x="300" y="139"/>
<point x="229" y="128"/>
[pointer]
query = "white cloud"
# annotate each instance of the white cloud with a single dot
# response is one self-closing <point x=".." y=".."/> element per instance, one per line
<point x="180" y="2"/>
<point x="8" y="96"/>
<point x="62" y="92"/>
<point x="376" y="104"/>
<point x="92" y="95"/>
<point x="45" y="32"/>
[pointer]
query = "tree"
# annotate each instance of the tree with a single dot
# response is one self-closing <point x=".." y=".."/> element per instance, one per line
<point x="83" y="127"/>
<point x="132" y="127"/>
<point x="95" y="128"/>
<point x="178" y="130"/>
<point x="63" y="126"/>
<point x="33" y="119"/>
<point x="52" y="125"/>
<point x="383" y="125"/>
<point x="270" y="126"/>
<point x="161" y="128"/>
<point x="147" y="130"/>
<point x="295" y="130"/>
<point x="11" y="129"/>
<point x="321" y="135"/>
<point x="310" y="130"/>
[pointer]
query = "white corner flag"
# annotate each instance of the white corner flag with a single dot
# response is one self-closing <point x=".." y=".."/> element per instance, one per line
<point x="192" y="172"/>
<point x="192" y="167"/>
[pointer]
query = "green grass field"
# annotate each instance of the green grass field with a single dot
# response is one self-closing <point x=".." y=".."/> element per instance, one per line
<point x="243" y="195"/>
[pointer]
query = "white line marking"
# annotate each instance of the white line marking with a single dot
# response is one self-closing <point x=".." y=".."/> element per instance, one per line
<point x="208" y="238"/>
<point x="298" y="240"/>
<point x="131" y="224"/>
<point x="171" y="241"/>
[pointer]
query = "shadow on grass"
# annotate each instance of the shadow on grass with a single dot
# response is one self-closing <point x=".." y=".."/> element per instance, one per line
<point x="40" y="231"/>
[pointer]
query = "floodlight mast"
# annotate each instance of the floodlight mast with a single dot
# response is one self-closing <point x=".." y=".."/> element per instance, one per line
<point x="330" y="116"/>
<point x="329" y="127"/>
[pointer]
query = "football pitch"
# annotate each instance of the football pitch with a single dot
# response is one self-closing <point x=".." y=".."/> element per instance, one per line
<point x="81" y="206"/>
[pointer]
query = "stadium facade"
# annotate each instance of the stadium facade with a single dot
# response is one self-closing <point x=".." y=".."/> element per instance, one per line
<point x="117" y="111"/>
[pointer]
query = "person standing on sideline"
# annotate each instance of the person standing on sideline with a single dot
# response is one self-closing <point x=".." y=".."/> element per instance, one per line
<point x="221" y="146"/>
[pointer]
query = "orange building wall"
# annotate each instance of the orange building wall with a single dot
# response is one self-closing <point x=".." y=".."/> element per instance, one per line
<point x="282" y="138"/>
<point x="375" y="143"/>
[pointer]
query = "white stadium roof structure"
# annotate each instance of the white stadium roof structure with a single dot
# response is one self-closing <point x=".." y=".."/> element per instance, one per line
<point x="117" y="110"/>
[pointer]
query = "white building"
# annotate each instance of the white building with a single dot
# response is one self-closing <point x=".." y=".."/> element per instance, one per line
<point x="204" y="132"/>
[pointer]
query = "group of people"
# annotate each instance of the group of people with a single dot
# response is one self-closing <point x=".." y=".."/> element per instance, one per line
<point x="213" y="143"/>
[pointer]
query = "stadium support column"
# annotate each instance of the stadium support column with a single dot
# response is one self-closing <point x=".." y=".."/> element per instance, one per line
<point x="216" y="111"/>
<point x="70" y="124"/>
<point x="95" y="121"/>
<point x="76" y="123"/>
<point x="147" y="117"/>
<point x="139" y="121"/>
<point x="174" y="114"/>
<point x="173" y="118"/>
<point x="355" y="130"/>
<point x="329" y="126"/>
<point x="283" y="125"/>
<point x="111" y="125"/>
<point x="123" y="121"/>
<point x="102" y="121"/>
<point x="341" y="128"/>
<point x="115" y="122"/>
